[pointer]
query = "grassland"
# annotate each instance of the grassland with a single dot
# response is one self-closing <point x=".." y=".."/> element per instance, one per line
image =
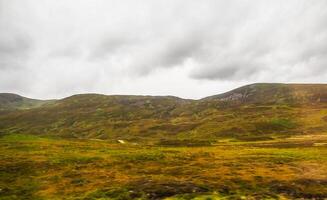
<point x="33" y="167"/>
<point x="262" y="141"/>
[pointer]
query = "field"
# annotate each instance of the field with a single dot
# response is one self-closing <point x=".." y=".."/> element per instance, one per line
<point x="33" y="167"/>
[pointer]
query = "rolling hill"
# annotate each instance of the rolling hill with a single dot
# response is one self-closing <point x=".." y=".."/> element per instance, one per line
<point x="274" y="93"/>
<point x="252" y="112"/>
<point x="9" y="101"/>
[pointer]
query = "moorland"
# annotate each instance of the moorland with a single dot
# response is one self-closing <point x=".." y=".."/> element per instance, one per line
<point x="259" y="141"/>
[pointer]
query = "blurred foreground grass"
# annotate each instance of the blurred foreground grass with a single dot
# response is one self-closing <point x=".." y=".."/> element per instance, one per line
<point x="32" y="167"/>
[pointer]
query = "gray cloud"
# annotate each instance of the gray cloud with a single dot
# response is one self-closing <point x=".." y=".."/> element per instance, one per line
<point x="14" y="46"/>
<point x="228" y="71"/>
<point x="57" y="48"/>
<point x="166" y="54"/>
<point x="110" y="45"/>
<point x="14" y="50"/>
<point x="72" y="52"/>
<point x="290" y="36"/>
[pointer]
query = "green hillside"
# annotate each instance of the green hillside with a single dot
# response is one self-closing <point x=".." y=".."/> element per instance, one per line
<point x="9" y="101"/>
<point x="272" y="93"/>
<point x="253" y="112"/>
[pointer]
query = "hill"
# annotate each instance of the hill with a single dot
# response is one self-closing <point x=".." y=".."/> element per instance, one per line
<point x="253" y="112"/>
<point x="9" y="101"/>
<point x="272" y="93"/>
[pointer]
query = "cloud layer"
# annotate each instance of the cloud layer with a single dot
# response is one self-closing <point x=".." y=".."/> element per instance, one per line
<point x="50" y="49"/>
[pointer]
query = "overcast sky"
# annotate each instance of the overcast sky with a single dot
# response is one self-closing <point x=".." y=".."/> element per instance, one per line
<point x="186" y="48"/>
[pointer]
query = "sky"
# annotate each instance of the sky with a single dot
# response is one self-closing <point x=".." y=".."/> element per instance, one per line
<point x="185" y="48"/>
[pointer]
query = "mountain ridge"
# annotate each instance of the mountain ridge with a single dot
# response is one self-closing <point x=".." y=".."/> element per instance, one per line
<point x="238" y="92"/>
<point x="252" y="111"/>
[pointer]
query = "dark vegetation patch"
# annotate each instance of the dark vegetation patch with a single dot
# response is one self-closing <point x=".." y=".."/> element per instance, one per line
<point x="230" y="132"/>
<point x="174" y="128"/>
<point x="139" y="157"/>
<point x="158" y="190"/>
<point x="185" y="142"/>
<point x="276" y="124"/>
<point x="17" y="182"/>
<point x="302" y="188"/>
<point x="79" y="181"/>
<point x="148" y="189"/>
<point x="250" y="138"/>
<point x="74" y="160"/>
<point x="285" y="144"/>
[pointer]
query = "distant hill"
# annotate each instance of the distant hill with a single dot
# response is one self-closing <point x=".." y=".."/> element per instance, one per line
<point x="9" y="101"/>
<point x="275" y="93"/>
<point x="252" y="112"/>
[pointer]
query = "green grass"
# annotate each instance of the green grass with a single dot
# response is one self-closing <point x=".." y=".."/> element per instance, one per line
<point x="21" y="138"/>
<point x="40" y="168"/>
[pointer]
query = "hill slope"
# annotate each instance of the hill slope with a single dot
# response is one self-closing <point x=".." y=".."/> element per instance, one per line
<point x="265" y="93"/>
<point x="251" y="112"/>
<point x="9" y="101"/>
